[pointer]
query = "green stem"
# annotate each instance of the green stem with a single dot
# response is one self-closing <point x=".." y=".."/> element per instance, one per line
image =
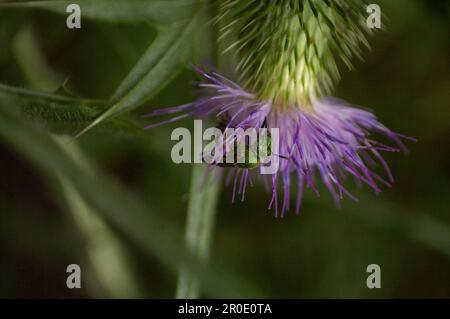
<point x="200" y="223"/>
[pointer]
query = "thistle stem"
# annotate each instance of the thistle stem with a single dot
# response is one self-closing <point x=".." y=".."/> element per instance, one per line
<point x="200" y="224"/>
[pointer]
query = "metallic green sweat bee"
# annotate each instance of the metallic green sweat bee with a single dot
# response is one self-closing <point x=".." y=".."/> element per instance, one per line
<point x="250" y="156"/>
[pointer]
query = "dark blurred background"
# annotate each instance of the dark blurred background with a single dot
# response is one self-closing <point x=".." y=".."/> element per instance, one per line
<point x="323" y="252"/>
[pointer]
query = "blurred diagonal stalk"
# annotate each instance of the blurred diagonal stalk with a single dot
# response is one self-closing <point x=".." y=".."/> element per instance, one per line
<point x="106" y="253"/>
<point x="129" y="213"/>
<point x="200" y="225"/>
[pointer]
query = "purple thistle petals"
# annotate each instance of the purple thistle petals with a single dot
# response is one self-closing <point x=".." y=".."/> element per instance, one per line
<point x="326" y="179"/>
<point x="330" y="143"/>
<point x="170" y="110"/>
<point x="286" y="193"/>
<point x="171" y="120"/>
<point x="243" y="185"/>
<point x="250" y="180"/>
<point x="330" y="140"/>
<point x="227" y="107"/>
<point x="236" y="178"/>
<point x="298" y="202"/>
<point x="274" y="198"/>
<point x="230" y="122"/>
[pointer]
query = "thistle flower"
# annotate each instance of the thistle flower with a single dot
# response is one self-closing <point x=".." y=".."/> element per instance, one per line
<point x="332" y="141"/>
<point x="287" y="65"/>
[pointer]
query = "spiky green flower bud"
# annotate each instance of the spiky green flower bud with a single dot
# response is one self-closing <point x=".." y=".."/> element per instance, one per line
<point x="288" y="48"/>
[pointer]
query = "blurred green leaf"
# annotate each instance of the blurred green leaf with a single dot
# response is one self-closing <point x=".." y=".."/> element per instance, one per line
<point x="153" y="71"/>
<point x="32" y="62"/>
<point x="51" y="97"/>
<point x="107" y="253"/>
<point x="157" y="11"/>
<point x="63" y="114"/>
<point x="155" y="52"/>
<point x="118" y="206"/>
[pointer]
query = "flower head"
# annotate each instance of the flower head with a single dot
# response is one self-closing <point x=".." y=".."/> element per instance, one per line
<point x="330" y="143"/>
<point x="287" y="52"/>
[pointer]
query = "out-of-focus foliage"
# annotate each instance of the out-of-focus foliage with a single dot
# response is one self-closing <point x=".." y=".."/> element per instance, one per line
<point x="115" y="187"/>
